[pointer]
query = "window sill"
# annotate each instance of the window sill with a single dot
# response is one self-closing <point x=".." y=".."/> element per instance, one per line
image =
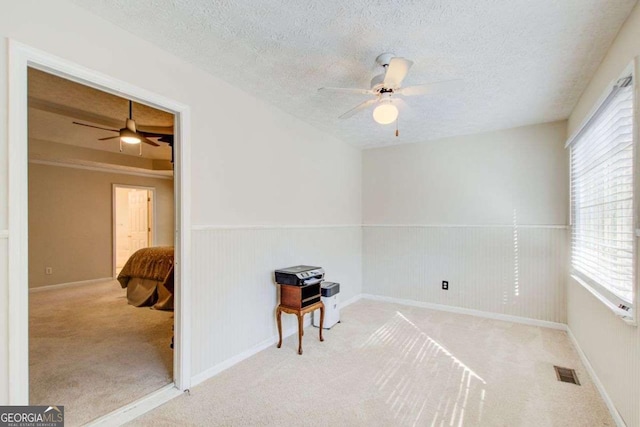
<point x="627" y="317"/>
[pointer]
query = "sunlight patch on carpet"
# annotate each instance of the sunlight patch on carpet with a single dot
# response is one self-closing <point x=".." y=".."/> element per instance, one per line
<point x="419" y="362"/>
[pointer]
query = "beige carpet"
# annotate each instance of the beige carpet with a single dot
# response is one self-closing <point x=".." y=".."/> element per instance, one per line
<point x="392" y="365"/>
<point x="92" y="352"/>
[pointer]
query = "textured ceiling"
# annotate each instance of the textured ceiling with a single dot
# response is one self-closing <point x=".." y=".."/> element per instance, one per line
<point x="519" y="61"/>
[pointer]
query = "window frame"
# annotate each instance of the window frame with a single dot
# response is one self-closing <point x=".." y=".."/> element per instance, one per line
<point x="602" y="293"/>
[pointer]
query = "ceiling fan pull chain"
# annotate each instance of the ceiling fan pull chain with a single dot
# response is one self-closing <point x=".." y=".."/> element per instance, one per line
<point x="140" y="146"/>
<point x="397" y="133"/>
<point x="120" y="139"/>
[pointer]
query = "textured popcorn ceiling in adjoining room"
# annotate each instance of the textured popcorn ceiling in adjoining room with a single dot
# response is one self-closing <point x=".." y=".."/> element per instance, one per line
<point x="519" y="62"/>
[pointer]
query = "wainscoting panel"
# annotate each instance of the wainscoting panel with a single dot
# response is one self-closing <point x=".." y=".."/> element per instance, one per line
<point x="233" y="293"/>
<point x="518" y="271"/>
<point x="4" y="308"/>
<point x="612" y="348"/>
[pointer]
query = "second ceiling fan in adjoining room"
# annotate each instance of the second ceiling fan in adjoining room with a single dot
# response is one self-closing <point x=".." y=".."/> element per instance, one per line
<point x="130" y="134"/>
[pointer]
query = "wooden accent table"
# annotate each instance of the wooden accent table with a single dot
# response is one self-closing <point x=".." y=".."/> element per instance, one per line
<point x="300" y="312"/>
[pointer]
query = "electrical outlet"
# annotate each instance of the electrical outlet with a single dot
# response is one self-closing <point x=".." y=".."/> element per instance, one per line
<point x="48" y="270"/>
<point x="445" y="285"/>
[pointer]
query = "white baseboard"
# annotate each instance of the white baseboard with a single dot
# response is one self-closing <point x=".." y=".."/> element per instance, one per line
<point x="215" y="370"/>
<point x="133" y="410"/>
<point x="68" y="285"/>
<point x="592" y="373"/>
<point x="351" y="301"/>
<point x="470" y="312"/>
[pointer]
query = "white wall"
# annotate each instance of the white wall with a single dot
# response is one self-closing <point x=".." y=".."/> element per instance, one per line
<point x="489" y="178"/>
<point x="70" y="221"/>
<point x="251" y="164"/>
<point x="486" y="212"/>
<point x="611" y="346"/>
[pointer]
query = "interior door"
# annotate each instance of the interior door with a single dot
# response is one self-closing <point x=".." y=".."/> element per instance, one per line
<point x="122" y="240"/>
<point x="138" y="219"/>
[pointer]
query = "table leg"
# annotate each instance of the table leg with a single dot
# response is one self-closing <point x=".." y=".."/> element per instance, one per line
<point x="321" y="321"/>
<point x="300" y="331"/>
<point x="279" y="320"/>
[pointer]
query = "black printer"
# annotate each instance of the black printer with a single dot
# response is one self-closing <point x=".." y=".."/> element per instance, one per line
<point x="299" y="275"/>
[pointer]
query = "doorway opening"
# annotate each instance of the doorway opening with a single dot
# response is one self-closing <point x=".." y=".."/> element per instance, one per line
<point x="77" y="169"/>
<point x="22" y="59"/>
<point x="133" y="216"/>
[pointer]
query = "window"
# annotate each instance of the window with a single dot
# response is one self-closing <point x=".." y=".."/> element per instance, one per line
<point x="602" y="198"/>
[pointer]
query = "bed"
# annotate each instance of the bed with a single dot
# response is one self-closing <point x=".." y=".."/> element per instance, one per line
<point x="148" y="278"/>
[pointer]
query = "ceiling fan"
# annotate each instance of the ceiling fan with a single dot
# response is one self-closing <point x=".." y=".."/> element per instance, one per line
<point x="385" y="87"/>
<point x="130" y="135"/>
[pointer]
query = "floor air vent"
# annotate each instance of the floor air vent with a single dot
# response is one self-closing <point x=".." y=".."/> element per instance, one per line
<point x="566" y="375"/>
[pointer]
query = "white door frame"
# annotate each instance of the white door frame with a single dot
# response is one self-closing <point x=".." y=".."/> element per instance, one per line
<point x="22" y="56"/>
<point x="152" y="234"/>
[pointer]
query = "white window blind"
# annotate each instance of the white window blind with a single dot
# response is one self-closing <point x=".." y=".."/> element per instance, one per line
<point x="602" y="207"/>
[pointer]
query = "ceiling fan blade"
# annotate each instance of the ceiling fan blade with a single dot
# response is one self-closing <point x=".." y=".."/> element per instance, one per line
<point x="358" y="108"/>
<point x="148" y="141"/>
<point x="162" y="138"/>
<point x="406" y="112"/>
<point x="430" y="88"/>
<point x="398" y="102"/>
<point x="107" y="139"/>
<point x="396" y="72"/>
<point x="97" y="127"/>
<point x="347" y="90"/>
<point x="166" y="138"/>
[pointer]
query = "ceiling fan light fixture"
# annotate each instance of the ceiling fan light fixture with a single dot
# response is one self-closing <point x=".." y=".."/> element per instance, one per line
<point x="129" y="137"/>
<point x="130" y="140"/>
<point x="385" y="113"/>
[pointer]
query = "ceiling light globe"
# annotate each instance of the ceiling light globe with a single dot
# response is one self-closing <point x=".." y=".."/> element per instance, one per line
<point x="130" y="139"/>
<point x="385" y="113"/>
